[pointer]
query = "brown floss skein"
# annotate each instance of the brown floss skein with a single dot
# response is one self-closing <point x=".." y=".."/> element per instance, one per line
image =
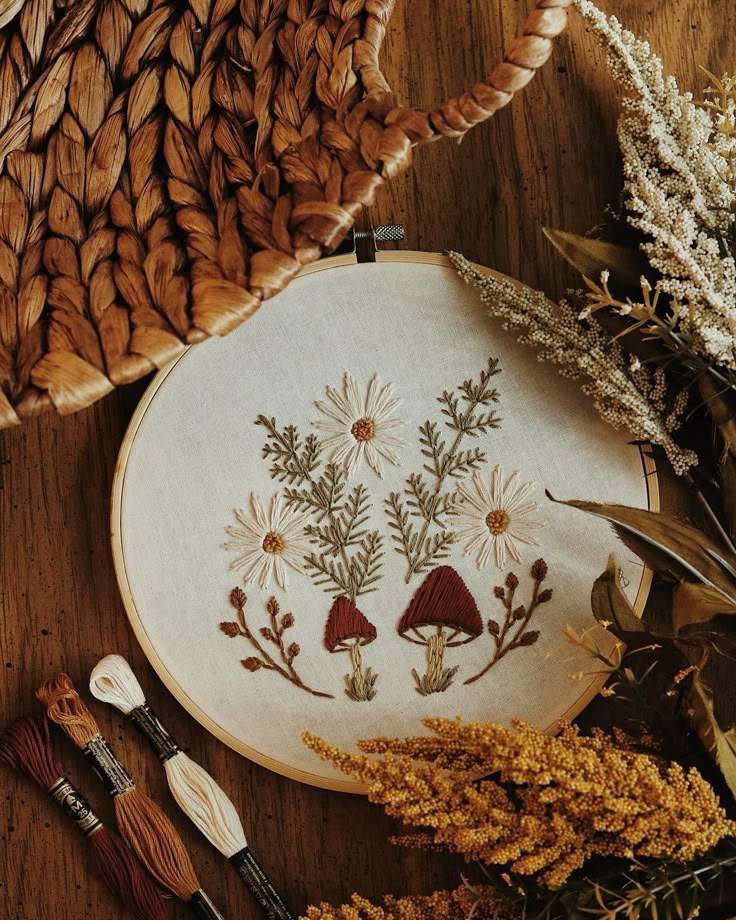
<point x="143" y="824"/>
<point x="26" y="746"/>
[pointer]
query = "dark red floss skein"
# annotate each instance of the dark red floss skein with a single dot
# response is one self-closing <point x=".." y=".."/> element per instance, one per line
<point x="26" y="746"/>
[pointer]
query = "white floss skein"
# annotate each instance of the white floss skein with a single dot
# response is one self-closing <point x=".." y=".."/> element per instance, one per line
<point x="197" y="794"/>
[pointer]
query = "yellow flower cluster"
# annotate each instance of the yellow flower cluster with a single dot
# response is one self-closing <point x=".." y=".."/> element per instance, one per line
<point x="438" y="906"/>
<point x="554" y="802"/>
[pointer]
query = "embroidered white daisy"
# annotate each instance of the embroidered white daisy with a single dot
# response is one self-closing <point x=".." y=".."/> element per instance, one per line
<point x="495" y="520"/>
<point x="358" y="427"/>
<point x="268" y="543"/>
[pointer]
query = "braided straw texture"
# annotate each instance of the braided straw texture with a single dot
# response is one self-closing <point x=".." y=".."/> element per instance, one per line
<point x="167" y="165"/>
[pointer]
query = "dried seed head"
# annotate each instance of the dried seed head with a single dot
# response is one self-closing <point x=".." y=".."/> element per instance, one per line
<point x="267" y="634"/>
<point x="287" y="620"/>
<point x="499" y="592"/>
<point x="252" y="664"/>
<point x="272" y="606"/>
<point x="512" y="581"/>
<point x="519" y="613"/>
<point x="230" y="629"/>
<point x="493" y="627"/>
<point x="544" y="596"/>
<point x="294" y="650"/>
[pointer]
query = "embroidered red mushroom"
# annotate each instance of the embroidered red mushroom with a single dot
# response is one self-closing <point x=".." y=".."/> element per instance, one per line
<point x="444" y="604"/>
<point x="347" y="630"/>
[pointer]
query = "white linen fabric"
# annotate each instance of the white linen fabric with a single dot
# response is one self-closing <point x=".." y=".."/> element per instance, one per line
<point x="197" y="456"/>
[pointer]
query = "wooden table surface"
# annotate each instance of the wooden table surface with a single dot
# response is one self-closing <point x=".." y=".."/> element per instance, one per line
<point x="551" y="158"/>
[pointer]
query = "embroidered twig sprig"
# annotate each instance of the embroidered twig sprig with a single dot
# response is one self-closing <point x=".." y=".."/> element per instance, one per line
<point x="444" y="604"/>
<point x="418" y="519"/>
<point x="274" y="633"/>
<point x="514" y="632"/>
<point x="348" y="555"/>
<point x="347" y="630"/>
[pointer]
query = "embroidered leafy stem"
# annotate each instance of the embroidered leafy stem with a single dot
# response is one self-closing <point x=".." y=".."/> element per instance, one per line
<point x="274" y="634"/>
<point x="340" y="516"/>
<point x="514" y="633"/>
<point x="426" y="503"/>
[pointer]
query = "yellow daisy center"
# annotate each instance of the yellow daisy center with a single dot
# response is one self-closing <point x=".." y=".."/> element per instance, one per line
<point x="497" y="521"/>
<point x="364" y="429"/>
<point x="273" y="543"/>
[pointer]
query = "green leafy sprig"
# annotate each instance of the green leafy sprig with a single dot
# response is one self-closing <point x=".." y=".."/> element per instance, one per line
<point x="348" y="556"/>
<point x="426" y="500"/>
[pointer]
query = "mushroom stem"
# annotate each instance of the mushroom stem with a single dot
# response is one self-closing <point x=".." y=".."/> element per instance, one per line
<point x="435" y="654"/>
<point x="360" y="684"/>
<point x="438" y="678"/>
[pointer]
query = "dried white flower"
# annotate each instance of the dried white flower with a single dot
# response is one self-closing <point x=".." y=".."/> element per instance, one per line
<point x="679" y="184"/>
<point x="636" y="399"/>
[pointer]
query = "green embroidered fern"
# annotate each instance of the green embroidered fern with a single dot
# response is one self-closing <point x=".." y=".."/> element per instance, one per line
<point x="425" y="506"/>
<point x="340" y="516"/>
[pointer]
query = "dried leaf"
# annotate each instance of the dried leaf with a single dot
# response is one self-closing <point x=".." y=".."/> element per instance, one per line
<point x="720" y="745"/>
<point x="591" y="257"/>
<point x="609" y="602"/>
<point x="696" y="603"/>
<point x="723" y="414"/>
<point x="668" y="545"/>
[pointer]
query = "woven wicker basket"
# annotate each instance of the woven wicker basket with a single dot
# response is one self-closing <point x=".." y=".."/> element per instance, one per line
<point x="165" y="166"/>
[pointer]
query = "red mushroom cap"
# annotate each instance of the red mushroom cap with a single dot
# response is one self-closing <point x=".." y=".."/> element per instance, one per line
<point x="443" y="599"/>
<point x="347" y="622"/>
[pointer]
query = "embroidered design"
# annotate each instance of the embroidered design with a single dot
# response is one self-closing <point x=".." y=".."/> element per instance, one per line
<point x="419" y="520"/>
<point x="495" y="520"/>
<point x="268" y="543"/>
<point x="514" y="633"/>
<point x="347" y="556"/>
<point x="273" y="633"/>
<point x="356" y="427"/>
<point x="348" y="629"/>
<point x="444" y="604"/>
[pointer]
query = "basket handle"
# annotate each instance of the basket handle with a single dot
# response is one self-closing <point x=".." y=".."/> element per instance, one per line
<point x="523" y="58"/>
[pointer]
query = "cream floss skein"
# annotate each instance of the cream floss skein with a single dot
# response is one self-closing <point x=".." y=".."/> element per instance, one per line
<point x="196" y="792"/>
<point x="143" y="824"/>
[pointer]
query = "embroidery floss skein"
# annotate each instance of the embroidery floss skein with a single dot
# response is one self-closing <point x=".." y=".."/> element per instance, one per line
<point x="26" y="746"/>
<point x="196" y="792"/>
<point x="143" y="824"/>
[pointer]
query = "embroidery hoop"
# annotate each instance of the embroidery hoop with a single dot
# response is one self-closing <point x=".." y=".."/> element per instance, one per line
<point x="138" y="618"/>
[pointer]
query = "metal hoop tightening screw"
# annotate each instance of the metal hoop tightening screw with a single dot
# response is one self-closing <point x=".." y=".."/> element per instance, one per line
<point x="385" y="233"/>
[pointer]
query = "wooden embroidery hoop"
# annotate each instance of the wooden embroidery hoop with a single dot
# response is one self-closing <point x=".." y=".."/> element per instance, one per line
<point x="337" y="784"/>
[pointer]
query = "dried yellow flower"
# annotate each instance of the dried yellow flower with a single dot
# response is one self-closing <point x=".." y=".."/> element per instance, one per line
<point x="438" y="906"/>
<point x="563" y="799"/>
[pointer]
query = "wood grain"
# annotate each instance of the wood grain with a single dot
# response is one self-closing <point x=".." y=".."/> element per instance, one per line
<point x="549" y="159"/>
